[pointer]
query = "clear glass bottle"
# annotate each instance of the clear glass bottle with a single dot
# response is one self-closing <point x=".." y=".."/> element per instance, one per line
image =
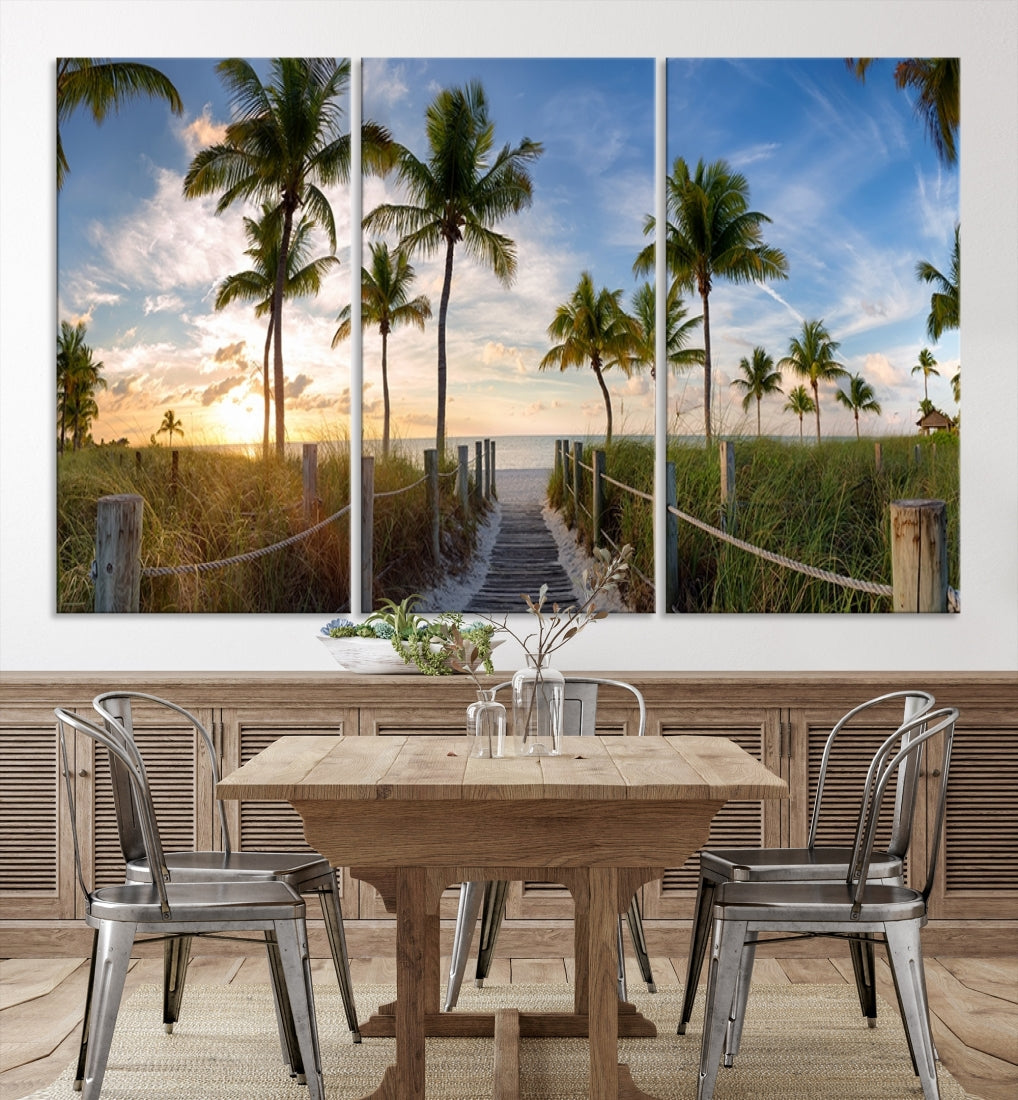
<point x="538" y="696"/>
<point x="486" y="724"/>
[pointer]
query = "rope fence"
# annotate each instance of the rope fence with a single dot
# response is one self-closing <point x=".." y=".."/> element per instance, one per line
<point x="917" y="586"/>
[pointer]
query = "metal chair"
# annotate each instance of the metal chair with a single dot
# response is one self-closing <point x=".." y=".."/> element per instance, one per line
<point x="488" y="898"/>
<point x="118" y="914"/>
<point x="304" y="872"/>
<point x="855" y="907"/>
<point x="812" y="863"/>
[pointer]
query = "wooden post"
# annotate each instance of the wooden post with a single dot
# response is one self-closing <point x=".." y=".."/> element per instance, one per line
<point x="577" y="480"/>
<point x="878" y="457"/>
<point x="671" y="540"/>
<point x="494" y="467"/>
<point x="118" y="553"/>
<point x="728" y="498"/>
<point x="478" y="471"/>
<point x="917" y="454"/>
<point x="431" y="473"/>
<point x="567" y="477"/>
<point x="597" y="498"/>
<point x="463" y="476"/>
<point x="309" y="481"/>
<point x="558" y="456"/>
<point x="174" y="472"/>
<point x="919" y="555"/>
<point x="487" y="469"/>
<point x="137" y="460"/>
<point x="367" y="532"/>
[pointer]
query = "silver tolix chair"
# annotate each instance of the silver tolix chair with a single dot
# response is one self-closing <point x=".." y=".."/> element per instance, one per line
<point x="304" y="872"/>
<point x="488" y="898"/>
<point x="160" y="907"/>
<point x="813" y="863"/>
<point x="855" y="907"/>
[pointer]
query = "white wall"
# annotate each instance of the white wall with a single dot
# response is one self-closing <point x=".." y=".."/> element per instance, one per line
<point x="984" y="636"/>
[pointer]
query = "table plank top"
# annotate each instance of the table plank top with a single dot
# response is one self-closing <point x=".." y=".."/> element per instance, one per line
<point x="312" y="768"/>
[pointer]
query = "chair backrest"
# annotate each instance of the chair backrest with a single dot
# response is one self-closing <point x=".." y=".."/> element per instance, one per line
<point x="114" y="707"/>
<point x="915" y="704"/>
<point x="579" y="708"/>
<point x="131" y="768"/>
<point x="906" y="747"/>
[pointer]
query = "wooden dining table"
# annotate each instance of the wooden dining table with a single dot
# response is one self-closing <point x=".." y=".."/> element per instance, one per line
<point x="415" y="814"/>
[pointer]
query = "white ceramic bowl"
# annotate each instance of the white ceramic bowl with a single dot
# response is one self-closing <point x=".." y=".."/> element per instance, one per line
<point x="371" y="656"/>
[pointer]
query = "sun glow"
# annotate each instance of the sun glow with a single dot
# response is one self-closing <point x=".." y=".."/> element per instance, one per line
<point x="238" y="421"/>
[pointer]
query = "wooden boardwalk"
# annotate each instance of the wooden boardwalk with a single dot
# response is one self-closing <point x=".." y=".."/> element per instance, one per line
<point x="524" y="557"/>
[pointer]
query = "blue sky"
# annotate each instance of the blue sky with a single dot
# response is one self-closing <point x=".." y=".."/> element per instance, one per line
<point x="843" y="169"/>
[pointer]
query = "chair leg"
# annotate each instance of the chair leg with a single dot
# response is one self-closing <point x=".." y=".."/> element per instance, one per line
<point x="466" y="917"/>
<point x="492" y="912"/>
<point x="620" y="954"/>
<point x="905" y="954"/>
<point x="733" y="1033"/>
<point x="635" y="920"/>
<point x="284" y="1015"/>
<point x="79" y="1073"/>
<point x="697" y="948"/>
<point x="176" y="956"/>
<point x="722" y="979"/>
<point x="865" y="976"/>
<point x="113" y="956"/>
<point x="337" y="943"/>
<point x="291" y="939"/>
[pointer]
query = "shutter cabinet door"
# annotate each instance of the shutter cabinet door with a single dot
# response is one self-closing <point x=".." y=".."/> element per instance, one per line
<point x="257" y="826"/>
<point x="977" y="870"/>
<point x="737" y="824"/>
<point x="36" y="859"/>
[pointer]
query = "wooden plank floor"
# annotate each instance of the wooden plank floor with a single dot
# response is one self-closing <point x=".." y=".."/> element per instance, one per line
<point x="974" y="1004"/>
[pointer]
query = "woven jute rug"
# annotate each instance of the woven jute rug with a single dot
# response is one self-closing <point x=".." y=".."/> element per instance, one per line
<point x="800" y="1042"/>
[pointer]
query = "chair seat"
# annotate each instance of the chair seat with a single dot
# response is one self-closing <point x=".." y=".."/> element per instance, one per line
<point x="193" y="902"/>
<point x="815" y="902"/>
<point x="291" y="867"/>
<point x="791" y="864"/>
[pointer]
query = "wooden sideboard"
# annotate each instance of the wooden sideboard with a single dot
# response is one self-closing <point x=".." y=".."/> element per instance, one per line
<point x="782" y="718"/>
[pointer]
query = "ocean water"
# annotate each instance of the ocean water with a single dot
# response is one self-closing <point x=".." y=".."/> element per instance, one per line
<point x="512" y="452"/>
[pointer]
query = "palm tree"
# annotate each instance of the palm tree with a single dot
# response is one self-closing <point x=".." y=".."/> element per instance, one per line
<point x="386" y="302"/>
<point x="937" y="82"/>
<point x="78" y="377"/>
<point x="945" y="302"/>
<point x="283" y="146"/>
<point x="592" y="326"/>
<point x="257" y="284"/>
<point x="800" y="403"/>
<point x="927" y="365"/>
<point x="859" y="398"/>
<point x="170" y="425"/>
<point x="456" y="196"/>
<point x="679" y="331"/>
<point x="712" y="234"/>
<point x="760" y="378"/>
<point x="956" y="386"/>
<point x="102" y="85"/>
<point x="812" y="355"/>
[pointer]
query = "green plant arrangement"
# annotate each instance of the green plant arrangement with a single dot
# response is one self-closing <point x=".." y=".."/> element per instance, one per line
<point x="437" y="647"/>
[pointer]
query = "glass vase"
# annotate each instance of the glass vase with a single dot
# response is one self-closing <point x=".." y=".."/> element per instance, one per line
<point x="486" y="724"/>
<point x="538" y="696"/>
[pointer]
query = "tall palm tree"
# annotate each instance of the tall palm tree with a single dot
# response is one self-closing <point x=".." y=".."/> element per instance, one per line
<point x="811" y="355"/>
<point x="283" y="146"/>
<point x="593" y="327"/>
<point x="937" y="84"/>
<point x="927" y="365"/>
<point x="463" y="189"/>
<point x="712" y="234"/>
<point x="679" y="331"/>
<point x="171" y="425"/>
<point x="945" y="302"/>
<point x="258" y="283"/>
<point x="78" y="377"/>
<point x="759" y="379"/>
<point x="800" y="403"/>
<point x="860" y="397"/>
<point x="386" y="302"/>
<point x="101" y="86"/>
